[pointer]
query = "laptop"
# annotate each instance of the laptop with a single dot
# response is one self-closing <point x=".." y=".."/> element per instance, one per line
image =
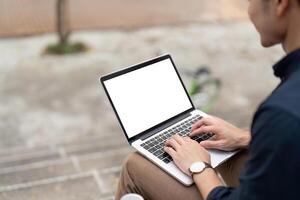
<point x="151" y="104"/>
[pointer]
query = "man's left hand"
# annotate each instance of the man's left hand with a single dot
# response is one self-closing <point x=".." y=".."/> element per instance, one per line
<point x="185" y="152"/>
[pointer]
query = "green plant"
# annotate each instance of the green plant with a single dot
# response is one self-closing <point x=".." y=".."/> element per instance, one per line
<point x="202" y="87"/>
<point x="65" y="48"/>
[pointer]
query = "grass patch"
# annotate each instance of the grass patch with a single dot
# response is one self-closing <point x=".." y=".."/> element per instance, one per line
<point x="65" y="48"/>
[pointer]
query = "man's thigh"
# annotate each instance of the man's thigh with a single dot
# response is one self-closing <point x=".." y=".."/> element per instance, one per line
<point x="153" y="183"/>
<point x="142" y="176"/>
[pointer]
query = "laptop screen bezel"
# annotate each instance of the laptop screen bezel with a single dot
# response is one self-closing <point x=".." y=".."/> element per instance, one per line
<point x="136" y="67"/>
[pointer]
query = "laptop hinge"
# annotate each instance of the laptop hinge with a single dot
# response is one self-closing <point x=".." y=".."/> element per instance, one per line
<point x="164" y="126"/>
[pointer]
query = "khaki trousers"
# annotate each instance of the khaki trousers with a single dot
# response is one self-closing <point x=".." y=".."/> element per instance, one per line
<point x="141" y="176"/>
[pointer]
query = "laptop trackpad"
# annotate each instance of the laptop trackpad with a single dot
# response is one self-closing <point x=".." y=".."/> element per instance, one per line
<point x="218" y="157"/>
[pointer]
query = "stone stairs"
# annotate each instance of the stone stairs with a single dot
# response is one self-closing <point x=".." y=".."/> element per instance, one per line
<point x="86" y="169"/>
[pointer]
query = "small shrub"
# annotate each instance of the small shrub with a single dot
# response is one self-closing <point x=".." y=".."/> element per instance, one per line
<point x="65" y="48"/>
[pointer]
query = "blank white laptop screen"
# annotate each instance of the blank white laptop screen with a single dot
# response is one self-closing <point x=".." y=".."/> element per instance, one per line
<point x="147" y="96"/>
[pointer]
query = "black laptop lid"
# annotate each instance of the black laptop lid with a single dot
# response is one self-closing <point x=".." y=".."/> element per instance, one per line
<point x="147" y="95"/>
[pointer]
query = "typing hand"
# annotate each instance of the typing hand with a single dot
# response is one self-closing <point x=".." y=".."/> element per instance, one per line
<point x="185" y="151"/>
<point x="227" y="136"/>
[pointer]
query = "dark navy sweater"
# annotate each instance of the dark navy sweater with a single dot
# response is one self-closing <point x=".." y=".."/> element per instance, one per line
<point x="272" y="171"/>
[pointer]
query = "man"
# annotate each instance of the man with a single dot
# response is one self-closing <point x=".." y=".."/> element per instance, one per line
<point x="273" y="146"/>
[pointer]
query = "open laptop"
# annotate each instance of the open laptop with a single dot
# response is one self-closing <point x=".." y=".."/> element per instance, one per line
<point x="152" y="104"/>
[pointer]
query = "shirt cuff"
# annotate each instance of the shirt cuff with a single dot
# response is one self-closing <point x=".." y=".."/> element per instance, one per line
<point x="219" y="193"/>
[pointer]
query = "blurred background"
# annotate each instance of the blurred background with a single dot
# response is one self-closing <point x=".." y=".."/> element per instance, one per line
<point x="59" y="138"/>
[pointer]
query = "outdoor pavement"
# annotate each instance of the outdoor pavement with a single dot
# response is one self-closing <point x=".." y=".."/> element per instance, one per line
<point x="59" y="136"/>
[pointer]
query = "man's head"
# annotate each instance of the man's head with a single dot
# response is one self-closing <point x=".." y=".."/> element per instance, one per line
<point x="272" y="19"/>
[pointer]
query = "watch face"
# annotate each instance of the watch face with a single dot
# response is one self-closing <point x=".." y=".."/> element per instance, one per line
<point x="197" y="167"/>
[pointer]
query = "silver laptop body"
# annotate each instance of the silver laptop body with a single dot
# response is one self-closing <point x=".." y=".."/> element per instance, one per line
<point x="151" y="104"/>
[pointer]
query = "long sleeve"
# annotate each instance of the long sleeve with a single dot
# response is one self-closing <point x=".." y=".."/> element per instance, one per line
<point x="274" y="160"/>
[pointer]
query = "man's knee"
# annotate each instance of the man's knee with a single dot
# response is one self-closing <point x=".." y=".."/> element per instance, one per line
<point x="127" y="182"/>
<point x="130" y="162"/>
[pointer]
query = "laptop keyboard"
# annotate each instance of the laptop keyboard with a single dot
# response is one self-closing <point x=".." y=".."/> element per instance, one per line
<point x="157" y="143"/>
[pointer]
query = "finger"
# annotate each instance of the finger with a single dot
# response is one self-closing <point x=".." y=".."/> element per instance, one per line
<point x="201" y="122"/>
<point x="187" y="139"/>
<point x="203" y="129"/>
<point x="178" y="139"/>
<point x="198" y="124"/>
<point x="172" y="143"/>
<point x="211" y="144"/>
<point x="170" y="151"/>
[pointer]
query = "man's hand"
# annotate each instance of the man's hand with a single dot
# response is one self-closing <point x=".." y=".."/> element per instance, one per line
<point x="185" y="152"/>
<point x="227" y="137"/>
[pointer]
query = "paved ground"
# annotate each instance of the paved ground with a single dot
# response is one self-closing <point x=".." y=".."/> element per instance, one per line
<point x="54" y="116"/>
<point x="23" y="17"/>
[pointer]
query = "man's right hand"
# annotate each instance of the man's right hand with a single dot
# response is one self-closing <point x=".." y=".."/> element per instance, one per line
<point x="227" y="136"/>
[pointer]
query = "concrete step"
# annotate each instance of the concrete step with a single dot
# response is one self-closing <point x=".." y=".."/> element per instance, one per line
<point x="65" y="166"/>
<point x="20" y="150"/>
<point x="34" y="155"/>
<point x="27" y="174"/>
<point x="99" y="161"/>
<point x="31" y="156"/>
<point x="85" y="139"/>
<point x="108" y="197"/>
<point x="37" y="171"/>
<point x="73" y="187"/>
<point x="94" y="146"/>
<point x="73" y="138"/>
<point x="110" y="179"/>
<point x="108" y="164"/>
<point x="65" y="141"/>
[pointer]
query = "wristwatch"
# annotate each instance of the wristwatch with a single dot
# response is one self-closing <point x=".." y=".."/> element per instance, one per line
<point x="199" y="167"/>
